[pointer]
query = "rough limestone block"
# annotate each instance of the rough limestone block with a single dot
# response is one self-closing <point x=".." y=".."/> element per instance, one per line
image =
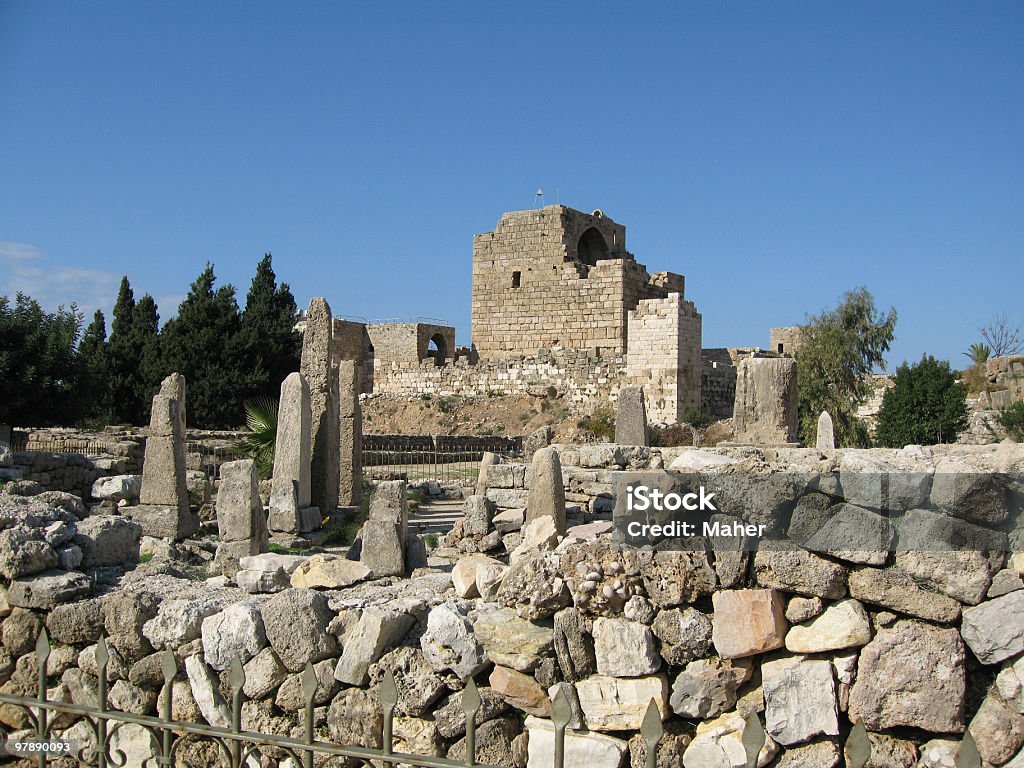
<point x="547" y="494"/>
<point x="765" y="412"/>
<point x="747" y="622"/>
<point x="631" y="417"/>
<point x="800" y="699"/>
<point x="911" y="674"/>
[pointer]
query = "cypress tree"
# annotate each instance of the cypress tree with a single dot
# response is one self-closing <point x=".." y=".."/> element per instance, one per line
<point x="123" y="403"/>
<point x="145" y="335"/>
<point x="92" y="368"/>
<point x="269" y="345"/>
<point x="202" y="343"/>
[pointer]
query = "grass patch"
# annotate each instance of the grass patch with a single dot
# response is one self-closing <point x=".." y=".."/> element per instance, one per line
<point x="430" y="540"/>
<point x="342" y="534"/>
<point x="277" y="549"/>
<point x="143" y="559"/>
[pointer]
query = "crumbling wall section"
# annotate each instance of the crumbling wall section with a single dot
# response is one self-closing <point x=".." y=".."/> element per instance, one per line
<point x="665" y="356"/>
<point x="580" y="378"/>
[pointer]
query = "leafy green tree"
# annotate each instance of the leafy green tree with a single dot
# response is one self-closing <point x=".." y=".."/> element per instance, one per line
<point x="38" y="364"/>
<point x="269" y="344"/>
<point x="839" y="348"/>
<point x="202" y="343"/>
<point x="92" y="369"/>
<point x="926" y="405"/>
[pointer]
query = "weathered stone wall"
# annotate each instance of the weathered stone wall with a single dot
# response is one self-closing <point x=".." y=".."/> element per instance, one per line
<point x="1006" y="379"/>
<point x="579" y="377"/>
<point x="61" y="461"/>
<point x="717" y="389"/>
<point x="557" y="277"/>
<point x="918" y="646"/>
<point x="352" y="342"/>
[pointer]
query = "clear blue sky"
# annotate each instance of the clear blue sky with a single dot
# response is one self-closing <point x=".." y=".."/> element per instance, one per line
<point x="774" y="153"/>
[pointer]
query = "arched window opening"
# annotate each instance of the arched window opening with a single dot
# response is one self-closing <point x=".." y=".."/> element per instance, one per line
<point x="592" y="247"/>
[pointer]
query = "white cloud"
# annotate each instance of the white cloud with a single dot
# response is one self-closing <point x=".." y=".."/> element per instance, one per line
<point x="25" y="268"/>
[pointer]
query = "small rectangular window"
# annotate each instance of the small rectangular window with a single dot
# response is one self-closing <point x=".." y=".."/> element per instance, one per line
<point x="517" y="279"/>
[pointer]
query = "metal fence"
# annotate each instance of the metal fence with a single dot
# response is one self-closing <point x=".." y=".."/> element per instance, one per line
<point x="445" y="459"/>
<point x="49" y="443"/>
<point x="237" y="746"/>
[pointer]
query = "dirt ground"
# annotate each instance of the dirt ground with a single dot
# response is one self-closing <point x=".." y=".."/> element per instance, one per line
<point x="503" y="415"/>
<point x="512" y="415"/>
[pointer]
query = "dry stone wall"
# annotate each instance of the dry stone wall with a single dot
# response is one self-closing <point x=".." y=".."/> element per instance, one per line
<point x="1006" y="380"/>
<point x="578" y="376"/>
<point x="919" y="646"/>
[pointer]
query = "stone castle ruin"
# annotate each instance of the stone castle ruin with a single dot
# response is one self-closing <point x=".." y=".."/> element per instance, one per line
<point x="558" y="302"/>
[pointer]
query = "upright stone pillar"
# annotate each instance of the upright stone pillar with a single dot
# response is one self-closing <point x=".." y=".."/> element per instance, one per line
<point x="290" y="487"/>
<point x="631" y="417"/>
<point x="350" y="429"/>
<point x="164" y="511"/>
<point x="174" y="386"/>
<point x="765" y="412"/>
<point x="322" y="378"/>
<point x="385" y="533"/>
<point x="826" y="433"/>
<point x="547" y="494"/>
<point x="487" y="460"/>
<point x="241" y="521"/>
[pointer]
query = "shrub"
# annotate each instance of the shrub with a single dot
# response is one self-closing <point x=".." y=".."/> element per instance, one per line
<point x="926" y="405"/>
<point x="1012" y="420"/>
<point x="670" y="436"/>
<point x="600" y="424"/>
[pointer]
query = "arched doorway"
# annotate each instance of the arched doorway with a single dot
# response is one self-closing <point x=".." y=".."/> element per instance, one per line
<point x="437" y="348"/>
<point x="591" y="247"/>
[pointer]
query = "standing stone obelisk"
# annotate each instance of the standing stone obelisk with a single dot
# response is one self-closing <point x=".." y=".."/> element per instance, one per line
<point x="547" y="493"/>
<point x="290" y="486"/>
<point x="631" y="417"/>
<point x="322" y="377"/>
<point x="350" y="428"/>
<point x="241" y="522"/>
<point x="826" y="433"/>
<point x="163" y="511"/>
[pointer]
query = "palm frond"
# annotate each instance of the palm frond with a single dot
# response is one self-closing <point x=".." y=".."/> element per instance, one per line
<point x="259" y="445"/>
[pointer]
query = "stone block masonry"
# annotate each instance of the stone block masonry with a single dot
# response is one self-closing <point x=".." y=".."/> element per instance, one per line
<point x="665" y="356"/>
<point x="556" y="277"/>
